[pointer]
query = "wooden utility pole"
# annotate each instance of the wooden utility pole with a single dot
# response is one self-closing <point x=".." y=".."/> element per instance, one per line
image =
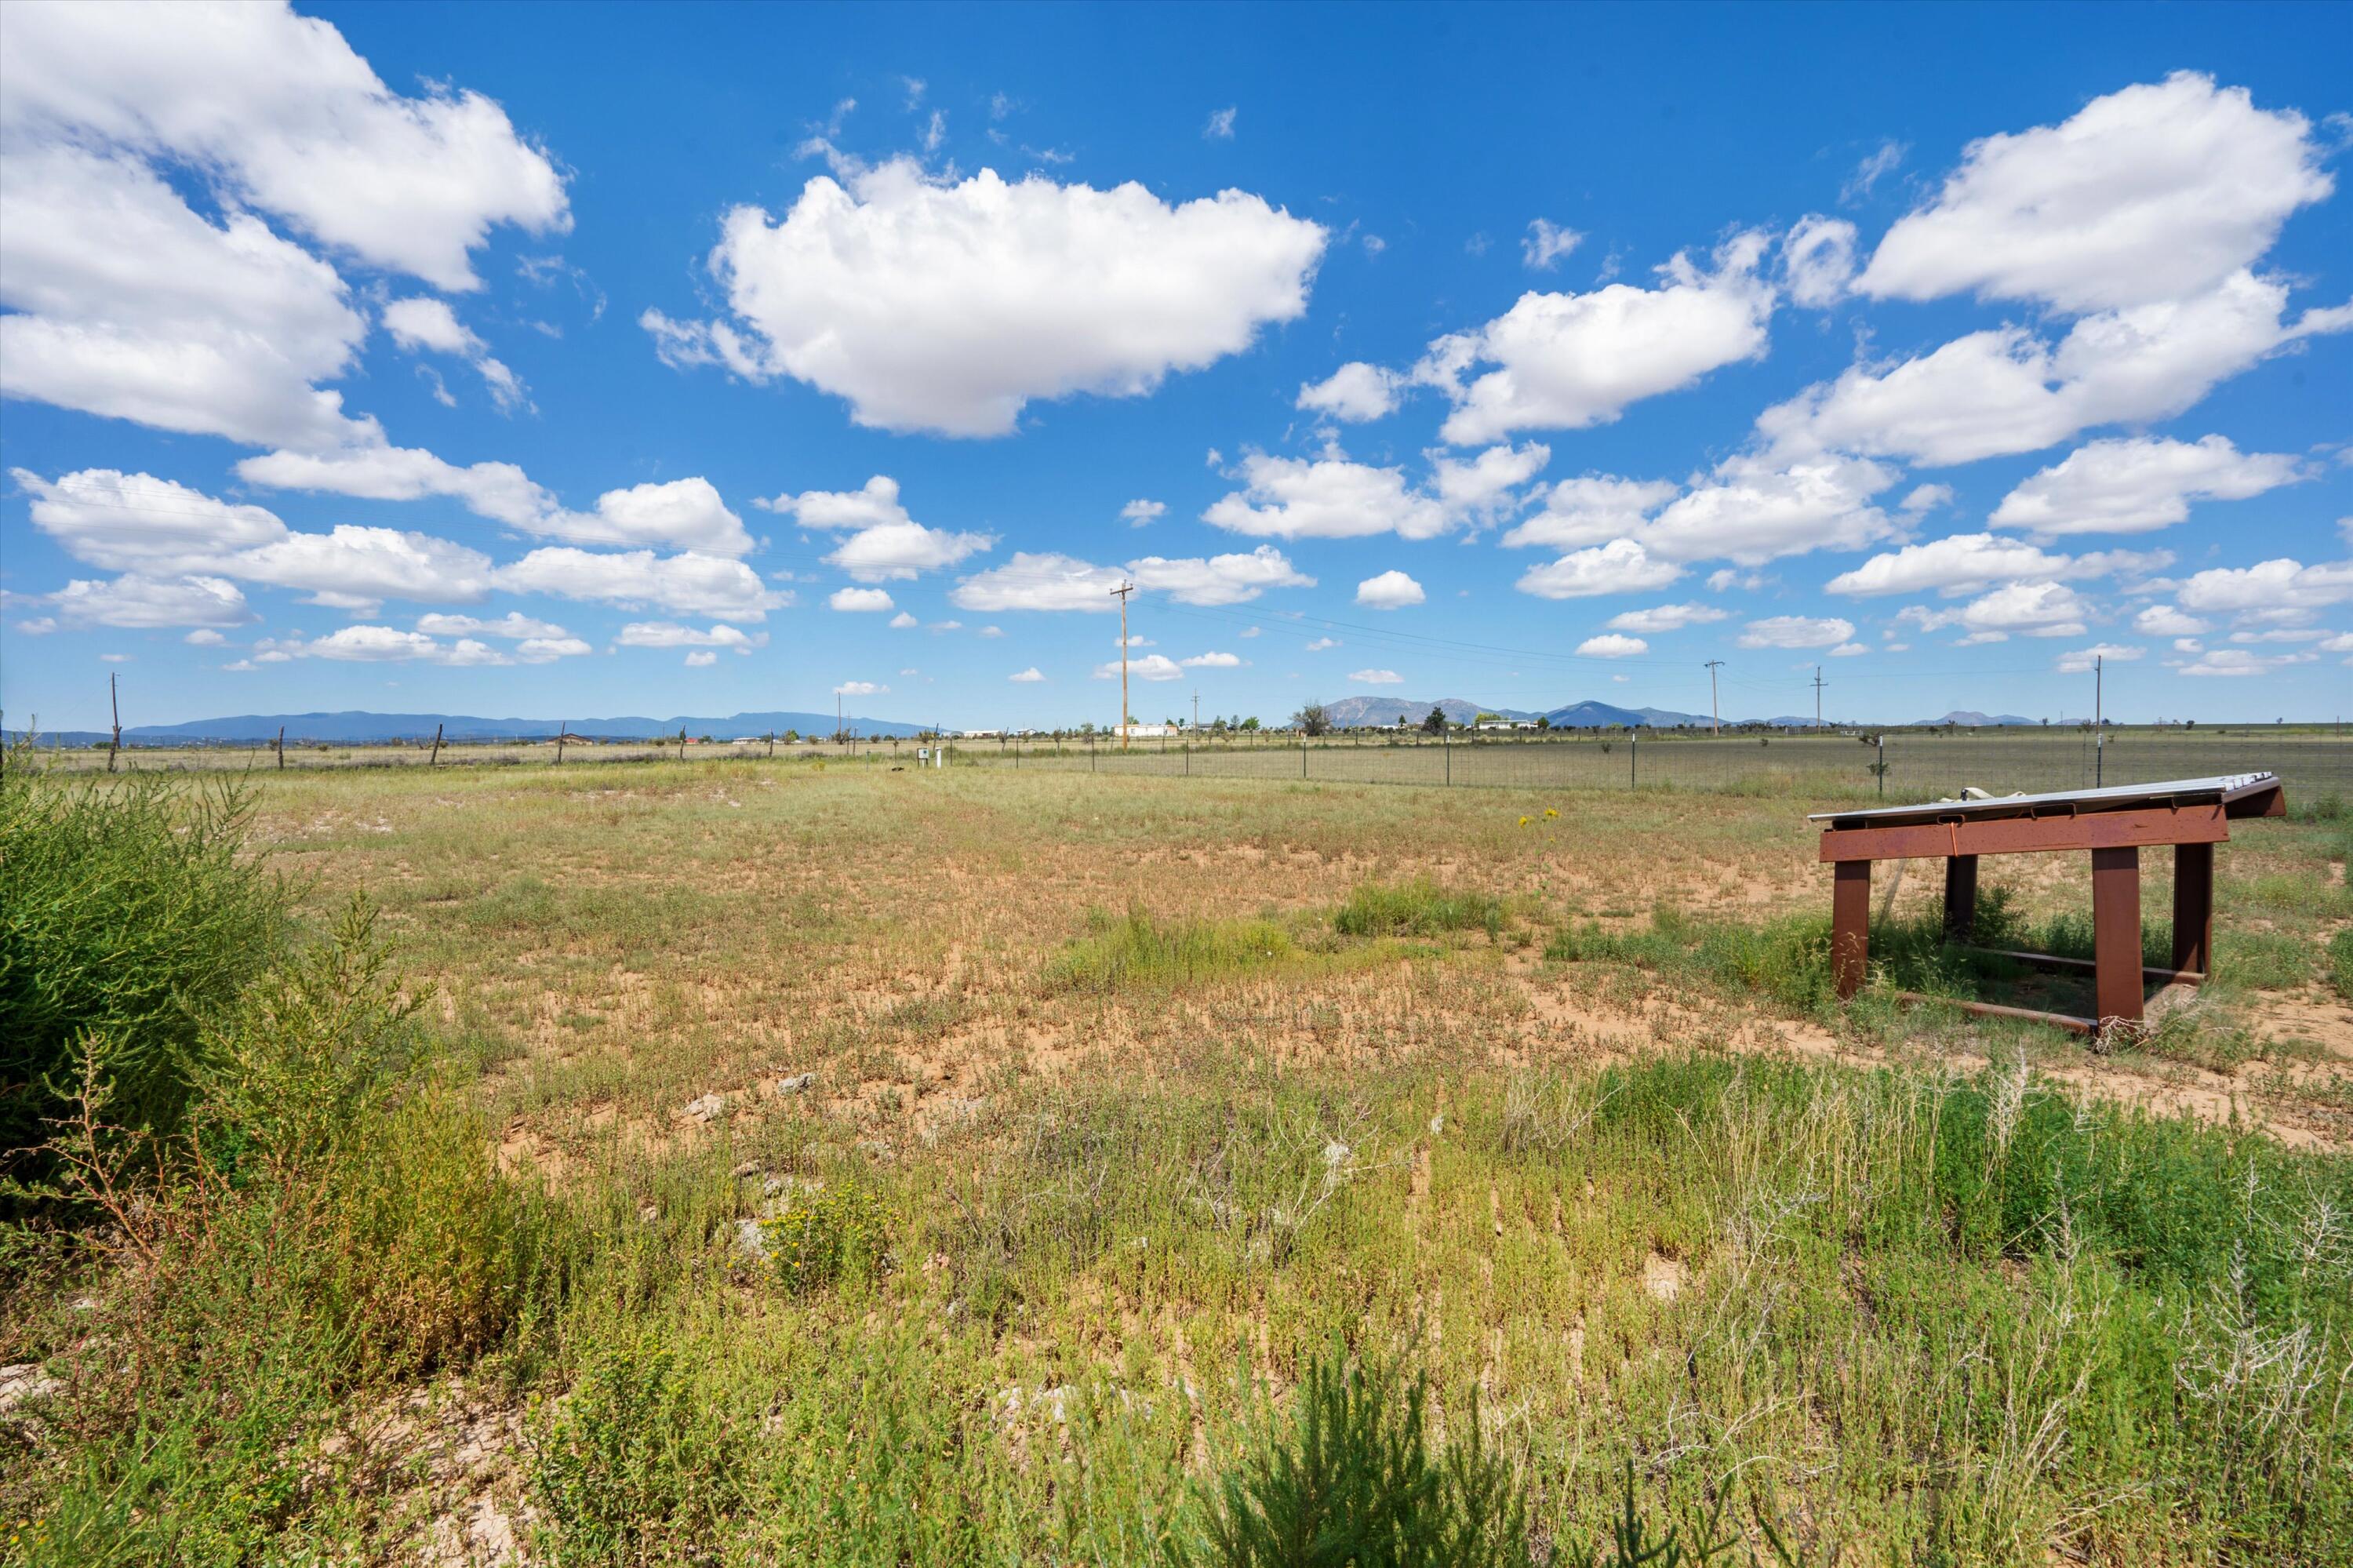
<point x="560" y="732"/>
<point x="1197" y="713"/>
<point x="436" y="747"/>
<point x="114" y="698"/>
<point x="281" y="748"/>
<point x="1714" y="709"/>
<point x="1817" y="696"/>
<point x="1121" y="593"/>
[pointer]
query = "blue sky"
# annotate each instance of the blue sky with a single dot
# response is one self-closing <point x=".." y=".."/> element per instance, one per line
<point x="513" y="361"/>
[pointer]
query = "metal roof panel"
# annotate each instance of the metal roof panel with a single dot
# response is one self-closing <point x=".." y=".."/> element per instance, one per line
<point x="2116" y="797"/>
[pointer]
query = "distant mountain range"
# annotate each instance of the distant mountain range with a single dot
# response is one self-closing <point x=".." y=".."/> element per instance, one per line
<point x="358" y="728"/>
<point x="1356" y="712"/>
<point x="1969" y="719"/>
<point x="1359" y="712"/>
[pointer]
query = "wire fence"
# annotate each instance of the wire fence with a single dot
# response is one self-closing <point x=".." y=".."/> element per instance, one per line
<point x="1899" y="766"/>
<point x="1895" y="766"/>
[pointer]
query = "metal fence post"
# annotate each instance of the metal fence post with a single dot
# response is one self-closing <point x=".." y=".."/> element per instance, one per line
<point x="1881" y="759"/>
<point x="1446" y="743"/>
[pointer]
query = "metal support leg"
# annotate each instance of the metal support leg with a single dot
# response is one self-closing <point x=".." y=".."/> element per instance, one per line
<point x="1961" y="897"/>
<point x="2115" y="934"/>
<point x="1850" y="925"/>
<point x="2193" y="907"/>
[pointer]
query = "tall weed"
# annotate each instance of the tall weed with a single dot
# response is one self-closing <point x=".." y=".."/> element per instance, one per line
<point x="133" y="913"/>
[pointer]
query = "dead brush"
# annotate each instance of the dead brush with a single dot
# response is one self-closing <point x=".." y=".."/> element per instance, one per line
<point x="1546" y="1111"/>
<point x="1263" y="1193"/>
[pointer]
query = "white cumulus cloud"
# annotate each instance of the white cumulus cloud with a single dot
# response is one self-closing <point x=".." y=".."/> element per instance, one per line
<point x="1818" y="259"/>
<point x="1592" y="510"/>
<point x="2269" y="586"/>
<point x="1570" y="361"/>
<point x="2032" y="609"/>
<point x="2079" y="661"/>
<point x="949" y="306"/>
<point x="1376" y="678"/>
<point x="2134" y="485"/>
<point x="1545" y="243"/>
<point x="1964" y="563"/>
<point x="1151" y="667"/>
<point x="2156" y="192"/>
<point x="132" y="601"/>
<point x="1619" y="567"/>
<point x="883" y="543"/>
<point x="1797" y="632"/>
<point x="687" y="583"/>
<point x="1611" y="645"/>
<point x="1390" y="590"/>
<point x="1667" y="618"/>
<point x="1356" y="392"/>
<point x="861" y="601"/>
<point x="1234" y="578"/>
<point x="671" y="634"/>
<point x="422" y="322"/>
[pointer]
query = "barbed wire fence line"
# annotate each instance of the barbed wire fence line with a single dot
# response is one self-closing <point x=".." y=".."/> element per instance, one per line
<point x="1894" y="765"/>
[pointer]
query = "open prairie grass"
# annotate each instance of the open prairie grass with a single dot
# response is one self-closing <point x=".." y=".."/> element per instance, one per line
<point x="787" y="1166"/>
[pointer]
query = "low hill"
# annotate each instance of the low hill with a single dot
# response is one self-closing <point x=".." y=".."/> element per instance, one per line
<point x="1969" y="719"/>
<point x="1387" y="713"/>
<point x="363" y="728"/>
<point x="1592" y="715"/>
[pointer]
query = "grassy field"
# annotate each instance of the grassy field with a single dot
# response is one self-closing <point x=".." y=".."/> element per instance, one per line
<point x="786" y="1163"/>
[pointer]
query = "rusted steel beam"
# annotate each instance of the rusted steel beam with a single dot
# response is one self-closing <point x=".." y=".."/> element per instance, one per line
<point x="2093" y="830"/>
<point x="2115" y="933"/>
<point x="2271" y="800"/>
<point x="1960" y="896"/>
<point x="1994" y="1010"/>
<point x="2193" y="906"/>
<point x="2085" y="965"/>
<point x="1850" y="927"/>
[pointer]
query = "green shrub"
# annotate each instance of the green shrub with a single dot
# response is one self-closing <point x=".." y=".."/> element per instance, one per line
<point x="2340" y="963"/>
<point x="132" y="917"/>
<point x="331" y="1224"/>
<point x="635" y="1464"/>
<point x="1356" y="1483"/>
<point x="841" y="1233"/>
<point x="1138" y="950"/>
<point x="1416" y="909"/>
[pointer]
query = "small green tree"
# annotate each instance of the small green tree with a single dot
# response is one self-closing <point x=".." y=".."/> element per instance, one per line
<point x="1312" y="720"/>
<point x="1434" y="721"/>
<point x="1357" y="1481"/>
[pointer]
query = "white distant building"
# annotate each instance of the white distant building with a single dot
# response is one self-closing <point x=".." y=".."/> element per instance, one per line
<point x="1506" y="724"/>
<point x="1149" y="731"/>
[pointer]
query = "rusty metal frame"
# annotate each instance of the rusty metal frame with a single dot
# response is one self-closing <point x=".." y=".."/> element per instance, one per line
<point x="2114" y="826"/>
